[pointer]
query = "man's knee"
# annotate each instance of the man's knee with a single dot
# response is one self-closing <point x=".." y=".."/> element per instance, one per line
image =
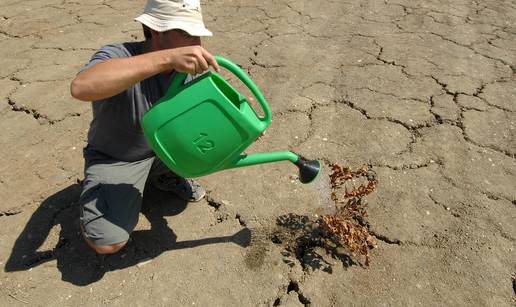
<point x="105" y="249"/>
<point x="109" y="249"/>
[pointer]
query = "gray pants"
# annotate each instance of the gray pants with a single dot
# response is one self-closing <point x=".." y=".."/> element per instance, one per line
<point x="112" y="196"/>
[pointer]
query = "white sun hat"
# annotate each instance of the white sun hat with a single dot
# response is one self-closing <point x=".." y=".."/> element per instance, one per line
<point x="164" y="15"/>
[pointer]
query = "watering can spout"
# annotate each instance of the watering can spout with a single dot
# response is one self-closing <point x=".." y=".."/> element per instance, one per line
<point x="308" y="169"/>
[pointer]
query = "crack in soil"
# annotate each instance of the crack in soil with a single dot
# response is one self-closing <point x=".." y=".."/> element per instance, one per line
<point x="241" y="220"/>
<point x="41" y="118"/>
<point x="254" y="63"/>
<point x="459" y="123"/>
<point x="293" y="286"/>
<point x="385" y="238"/>
<point x="392" y="63"/>
<point x="410" y="128"/>
<point x="64" y="49"/>
<point x="488" y="194"/>
<point x="220" y="211"/>
<point x="311" y="126"/>
<point x="439" y="204"/>
<point x="470" y="47"/>
<point x="9" y="213"/>
<point x="411" y="166"/>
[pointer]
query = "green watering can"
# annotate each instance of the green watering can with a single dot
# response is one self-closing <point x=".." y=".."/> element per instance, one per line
<point x="203" y="127"/>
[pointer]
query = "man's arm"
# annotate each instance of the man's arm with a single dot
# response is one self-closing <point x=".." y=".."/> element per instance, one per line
<point x="111" y="77"/>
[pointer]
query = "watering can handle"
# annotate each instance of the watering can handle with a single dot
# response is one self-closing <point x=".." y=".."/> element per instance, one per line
<point x="237" y="71"/>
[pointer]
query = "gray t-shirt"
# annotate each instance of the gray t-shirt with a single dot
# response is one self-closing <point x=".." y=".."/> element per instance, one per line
<point x="115" y="131"/>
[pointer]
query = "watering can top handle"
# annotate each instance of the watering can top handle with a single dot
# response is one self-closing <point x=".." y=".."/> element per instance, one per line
<point x="237" y="71"/>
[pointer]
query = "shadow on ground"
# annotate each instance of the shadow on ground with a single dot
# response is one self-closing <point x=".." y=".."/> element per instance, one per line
<point x="81" y="266"/>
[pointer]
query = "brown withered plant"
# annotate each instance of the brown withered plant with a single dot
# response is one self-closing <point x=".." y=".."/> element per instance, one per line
<point x="347" y="226"/>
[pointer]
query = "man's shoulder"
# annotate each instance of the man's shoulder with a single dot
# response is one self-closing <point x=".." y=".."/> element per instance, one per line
<point x="123" y="49"/>
<point x="113" y="51"/>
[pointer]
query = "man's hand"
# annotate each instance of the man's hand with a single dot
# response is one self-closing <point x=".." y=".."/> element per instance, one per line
<point x="261" y="136"/>
<point x="192" y="59"/>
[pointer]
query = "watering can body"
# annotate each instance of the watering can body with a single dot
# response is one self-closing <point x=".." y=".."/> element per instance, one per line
<point x="203" y="126"/>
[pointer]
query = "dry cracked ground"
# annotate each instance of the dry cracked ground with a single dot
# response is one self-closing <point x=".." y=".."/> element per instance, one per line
<point x="423" y="91"/>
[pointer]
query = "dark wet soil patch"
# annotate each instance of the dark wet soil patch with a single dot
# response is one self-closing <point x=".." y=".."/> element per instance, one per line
<point x="316" y="241"/>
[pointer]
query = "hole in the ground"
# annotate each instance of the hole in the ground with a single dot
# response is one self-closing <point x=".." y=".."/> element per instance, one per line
<point x="276" y="302"/>
<point x="275" y="239"/>
<point x="241" y="221"/>
<point x="493" y="197"/>
<point x="292" y="286"/>
<point x="305" y="301"/>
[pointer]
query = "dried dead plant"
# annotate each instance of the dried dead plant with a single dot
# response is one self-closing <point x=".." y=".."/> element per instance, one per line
<point x="347" y="227"/>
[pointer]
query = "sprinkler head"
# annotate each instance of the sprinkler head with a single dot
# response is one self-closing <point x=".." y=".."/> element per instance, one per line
<point x="308" y="169"/>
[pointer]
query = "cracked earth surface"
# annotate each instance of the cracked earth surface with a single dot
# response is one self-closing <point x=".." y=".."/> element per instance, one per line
<point x="422" y="91"/>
